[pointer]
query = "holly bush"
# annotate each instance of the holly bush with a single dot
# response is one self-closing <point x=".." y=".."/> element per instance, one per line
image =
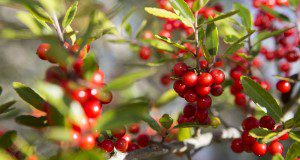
<point x="199" y="60"/>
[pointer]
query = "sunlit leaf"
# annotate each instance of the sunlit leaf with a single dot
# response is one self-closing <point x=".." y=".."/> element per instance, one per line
<point x="182" y="9"/>
<point x="70" y="14"/>
<point x="161" y="13"/>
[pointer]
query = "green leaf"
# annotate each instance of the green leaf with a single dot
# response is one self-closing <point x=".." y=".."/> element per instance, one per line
<point x="297" y="116"/>
<point x="294" y="3"/>
<point x="127" y="80"/>
<point x="188" y="125"/>
<point x="166" y="121"/>
<point x="212" y="39"/>
<point x="166" y="97"/>
<point x="6" y="106"/>
<point x="233" y="48"/>
<point x="152" y="123"/>
<point x="265" y="35"/>
<point x="245" y="56"/>
<point x="182" y="9"/>
<point x="29" y="96"/>
<point x="31" y="121"/>
<point x="168" y="40"/>
<point x="70" y="14"/>
<point x="223" y="16"/>
<point x="295" y="136"/>
<point x="158" y="44"/>
<point x="80" y="155"/>
<point x="198" y="4"/>
<point x="3" y="153"/>
<point x="131" y="112"/>
<point x="262" y="98"/>
<point x="30" y="22"/>
<point x="141" y="28"/>
<point x="59" y="134"/>
<point x="90" y="65"/>
<point x="245" y="15"/>
<point x="128" y="15"/>
<point x="277" y="157"/>
<point x="36" y="10"/>
<point x="293" y="151"/>
<point x="184" y="133"/>
<point x="161" y="13"/>
<point x="7" y="139"/>
<point x="275" y="13"/>
<point x="128" y="28"/>
<point x="1" y="90"/>
<point x="259" y="132"/>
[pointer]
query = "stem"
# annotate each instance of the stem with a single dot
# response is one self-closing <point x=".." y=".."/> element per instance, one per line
<point x="197" y="41"/>
<point x="57" y="28"/>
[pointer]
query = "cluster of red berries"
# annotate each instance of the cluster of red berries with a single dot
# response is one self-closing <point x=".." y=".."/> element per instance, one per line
<point x="123" y="142"/>
<point x="195" y="88"/>
<point x="241" y="66"/>
<point x="270" y="3"/>
<point x="87" y="91"/>
<point x="250" y="144"/>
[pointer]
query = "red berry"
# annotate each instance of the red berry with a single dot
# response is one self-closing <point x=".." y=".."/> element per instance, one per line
<point x="80" y="95"/>
<point x="179" y="86"/>
<point x="204" y="102"/>
<point x="92" y="108"/>
<point x="143" y="140"/>
<point x="87" y="142"/>
<point x="284" y="67"/>
<point x="267" y="122"/>
<point x="203" y="64"/>
<point x="180" y="68"/>
<point x="205" y="79"/>
<point x="292" y="56"/>
<point x="147" y="34"/>
<point x="166" y="79"/>
<point x="284" y="137"/>
<point x="275" y="148"/>
<point x="107" y="145"/>
<point x="202" y="90"/>
<point x="165" y="33"/>
<point x="121" y="145"/>
<point x="250" y="123"/>
<point x="202" y="115"/>
<point x="145" y="53"/>
<point x="216" y="90"/>
<point x="98" y="78"/>
<point x="75" y="136"/>
<point x="237" y="145"/>
<point x="134" y="128"/>
<point x="218" y="76"/>
<point x="119" y="133"/>
<point x="42" y="51"/>
<point x="240" y="99"/>
<point x="189" y="110"/>
<point x="132" y="147"/>
<point x="190" y="96"/>
<point x="283" y="86"/>
<point x="247" y="139"/>
<point x="259" y="149"/>
<point x="235" y="74"/>
<point x="190" y="78"/>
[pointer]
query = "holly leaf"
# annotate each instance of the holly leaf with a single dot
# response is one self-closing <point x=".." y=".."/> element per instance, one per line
<point x="212" y="39"/>
<point x="4" y="108"/>
<point x="275" y="13"/>
<point x="7" y="139"/>
<point x="127" y="80"/>
<point x="167" y="97"/>
<point x="161" y="13"/>
<point x="29" y="96"/>
<point x="262" y="98"/>
<point x="183" y="10"/>
<point x="70" y="14"/>
<point x="168" y="40"/>
<point x="184" y="133"/>
<point x="124" y="114"/>
<point x="245" y="15"/>
<point x="31" y="121"/>
<point x="166" y="121"/>
<point x="277" y="157"/>
<point x="265" y="35"/>
<point x="259" y="132"/>
<point x="293" y="151"/>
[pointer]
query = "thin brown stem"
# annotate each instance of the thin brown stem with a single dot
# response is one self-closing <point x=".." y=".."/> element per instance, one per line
<point x="197" y="41"/>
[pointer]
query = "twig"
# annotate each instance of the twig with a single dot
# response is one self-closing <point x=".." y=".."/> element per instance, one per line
<point x="197" y="41"/>
<point x="191" y="144"/>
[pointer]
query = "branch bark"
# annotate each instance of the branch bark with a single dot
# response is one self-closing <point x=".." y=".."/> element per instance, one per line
<point x="192" y="144"/>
